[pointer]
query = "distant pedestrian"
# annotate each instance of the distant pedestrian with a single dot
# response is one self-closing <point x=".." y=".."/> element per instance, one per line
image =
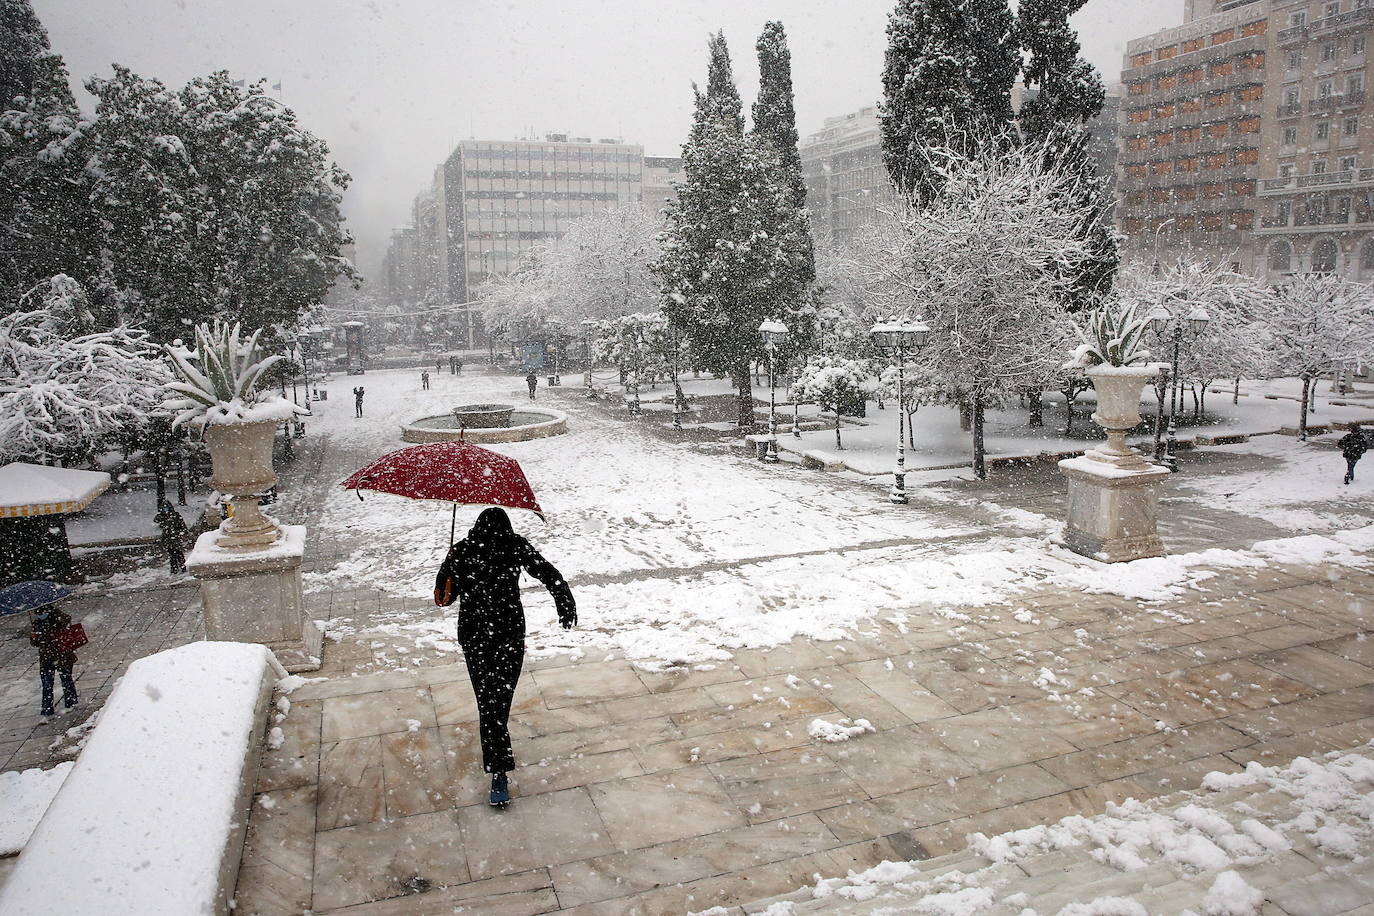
<point x="174" y="535"/>
<point x="1353" y="445"/>
<point x="457" y="366"/>
<point x="438" y="367"/>
<point x="358" y="401"/>
<point x="532" y="381"/>
<point x="48" y="622"/>
<point x="482" y="572"/>
<point x="424" y="380"/>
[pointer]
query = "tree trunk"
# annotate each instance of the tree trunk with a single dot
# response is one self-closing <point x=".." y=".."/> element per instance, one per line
<point x="1070" y="395"/>
<point x="1197" y="402"/>
<point x="838" y="444"/>
<point x="1302" y="419"/>
<point x="1312" y="396"/>
<point x="1037" y="408"/>
<point x="744" y="399"/>
<point x="1235" y="392"/>
<point x="911" y="433"/>
<point x="965" y="417"/>
<point x="980" y="469"/>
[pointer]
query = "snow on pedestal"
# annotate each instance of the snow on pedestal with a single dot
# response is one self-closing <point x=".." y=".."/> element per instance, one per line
<point x="255" y="596"/>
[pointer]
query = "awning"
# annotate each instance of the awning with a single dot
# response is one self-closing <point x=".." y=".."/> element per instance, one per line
<point x="40" y="489"/>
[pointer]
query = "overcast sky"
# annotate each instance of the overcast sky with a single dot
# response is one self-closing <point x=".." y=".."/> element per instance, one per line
<point x="392" y="85"/>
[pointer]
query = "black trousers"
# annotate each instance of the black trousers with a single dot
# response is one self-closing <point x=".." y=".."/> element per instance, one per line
<point x="494" y="669"/>
<point x="46" y="670"/>
<point x="1350" y="468"/>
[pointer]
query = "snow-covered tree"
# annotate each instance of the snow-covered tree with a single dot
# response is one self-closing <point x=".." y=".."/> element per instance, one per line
<point x="214" y="203"/>
<point x="834" y="384"/>
<point x="66" y="387"/>
<point x="775" y="120"/>
<point x="734" y="251"/>
<point x="602" y="266"/>
<point x="947" y="79"/>
<point x="1065" y="93"/>
<point x="986" y="257"/>
<point x="1314" y="324"/>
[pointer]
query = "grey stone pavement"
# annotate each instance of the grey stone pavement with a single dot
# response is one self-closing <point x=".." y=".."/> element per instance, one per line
<point x="646" y="792"/>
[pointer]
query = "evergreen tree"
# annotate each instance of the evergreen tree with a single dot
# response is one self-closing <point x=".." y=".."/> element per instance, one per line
<point x="775" y="120"/>
<point x="45" y="224"/>
<point x="947" y="80"/>
<point x="1065" y="93"/>
<point x="733" y="250"/>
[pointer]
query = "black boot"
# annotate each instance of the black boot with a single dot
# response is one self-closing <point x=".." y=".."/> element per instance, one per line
<point x="500" y="791"/>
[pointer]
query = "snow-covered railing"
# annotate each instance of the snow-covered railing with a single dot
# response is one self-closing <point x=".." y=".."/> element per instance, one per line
<point x="152" y="817"/>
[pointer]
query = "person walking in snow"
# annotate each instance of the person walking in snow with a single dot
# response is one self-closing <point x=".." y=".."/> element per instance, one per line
<point x="358" y="401"/>
<point x="47" y="622"/>
<point x="174" y="535"/>
<point x="532" y="381"/>
<point x="482" y="572"/>
<point x="1353" y="445"/>
<point x="424" y="380"/>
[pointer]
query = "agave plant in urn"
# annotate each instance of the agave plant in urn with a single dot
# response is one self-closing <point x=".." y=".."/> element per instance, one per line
<point x="219" y="393"/>
<point x="1113" y="358"/>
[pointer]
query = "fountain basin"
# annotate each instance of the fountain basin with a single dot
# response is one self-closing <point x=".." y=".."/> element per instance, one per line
<point x="525" y="424"/>
<point x="483" y="416"/>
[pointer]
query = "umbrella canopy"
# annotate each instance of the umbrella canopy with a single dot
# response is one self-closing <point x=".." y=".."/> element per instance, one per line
<point x="30" y="596"/>
<point x="40" y="489"/>
<point x="456" y="472"/>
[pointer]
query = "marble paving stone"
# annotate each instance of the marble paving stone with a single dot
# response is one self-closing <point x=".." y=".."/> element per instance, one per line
<point x="387" y="858"/>
<point x="523" y="894"/>
<point x="854" y="698"/>
<point x="540" y="830"/>
<point x="296" y="762"/>
<point x="1087" y="721"/>
<point x="1303" y="715"/>
<point x="277" y="865"/>
<point x="1293" y="634"/>
<point x="785" y="782"/>
<point x="1306" y="743"/>
<point x="351" y="783"/>
<point x="454" y="702"/>
<point x="1146" y="752"/>
<point x="735" y="742"/>
<point x="686" y="677"/>
<point x="597" y="740"/>
<point x="896" y="760"/>
<point x="1221" y="649"/>
<point x="588" y="683"/>
<point x="1164" y="700"/>
<point x="660" y="807"/>
<point x="1351" y="648"/>
<point x="585" y="769"/>
<point x="751" y="713"/>
<point x="415" y="768"/>
<point x="994" y="739"/>
<point x="468" y="783"/>
<point x="894" y="683"/>
<point x="358" y="715"/>
<point x="536" y="721"/>
<point x="663" y="703"/>
<point x="641" y="870"/>
<point x="1317" y="668"/>
<point x="795" y="656"/>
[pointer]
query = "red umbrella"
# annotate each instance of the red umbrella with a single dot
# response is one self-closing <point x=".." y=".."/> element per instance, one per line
<point x="456" y="472"/>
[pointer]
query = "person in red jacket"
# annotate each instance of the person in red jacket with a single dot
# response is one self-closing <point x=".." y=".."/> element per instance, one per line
<point x="48" y="621"/>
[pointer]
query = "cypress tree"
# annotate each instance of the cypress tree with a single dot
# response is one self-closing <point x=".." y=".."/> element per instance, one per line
<point x="947" y="79"/>
<point x="23" y="45"/>
<point x="1064" y="93"/>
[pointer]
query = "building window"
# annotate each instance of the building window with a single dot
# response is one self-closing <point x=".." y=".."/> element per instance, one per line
<point x="1298" y="19"/>
<point x="1290" y="136"/>
<point x="1329" y="51"/>
<point x="1292" y="96"/>
<point x="1281" y="257"/>
<point x="1358" y="44"/>
<point x="1348" y="163"/>
<point x="1319" y="167"/>
<point x="1354" y="84"/>
<point x="1321" y="131"/>
<point x="1282" y="213"/>
<point x="1325" y="89"/>
<point x="1324" y="257"/>
<point x="1286" y="170"/>
<point x="1333" y="8"/>
<point x="1367" y="257"/>
<point x="1294" y="60"/>
<point x="1350" y="127"/>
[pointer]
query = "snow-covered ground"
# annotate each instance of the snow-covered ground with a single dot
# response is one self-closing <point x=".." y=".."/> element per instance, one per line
<point x="679" y="553"/>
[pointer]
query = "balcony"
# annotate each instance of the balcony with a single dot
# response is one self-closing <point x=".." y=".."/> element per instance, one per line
<point x="1324" y="104"/>
<point x="1351" y="19"/>
<point x="1294" y="183"/>
<point x="1351" y="99"/>
<point x="1292" y="35"/>
<point x="1290" y="111"/>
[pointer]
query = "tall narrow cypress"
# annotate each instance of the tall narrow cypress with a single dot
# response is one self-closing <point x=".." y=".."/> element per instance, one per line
<point x="775" y="121"/>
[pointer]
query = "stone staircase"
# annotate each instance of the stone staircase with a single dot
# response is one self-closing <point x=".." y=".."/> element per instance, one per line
<point x="1294" y="840"/>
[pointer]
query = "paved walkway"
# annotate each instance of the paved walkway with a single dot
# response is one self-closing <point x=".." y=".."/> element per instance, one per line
<point x="649" y="792"/>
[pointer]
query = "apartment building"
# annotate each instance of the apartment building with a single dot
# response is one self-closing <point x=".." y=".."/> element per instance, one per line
<point x="1317" y="191"/>
<point x="1191" y="126"/>
<point x="660" y="173"/>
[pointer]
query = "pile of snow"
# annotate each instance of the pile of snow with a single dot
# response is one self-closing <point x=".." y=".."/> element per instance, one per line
<point x="24" y="796"/>
<point x="151" y="817"/>
<point x="838" y="731"/>
<point x="1205" y="840"/>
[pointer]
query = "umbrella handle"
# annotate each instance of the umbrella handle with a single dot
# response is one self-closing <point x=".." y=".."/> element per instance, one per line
<point x="453" y="525"/>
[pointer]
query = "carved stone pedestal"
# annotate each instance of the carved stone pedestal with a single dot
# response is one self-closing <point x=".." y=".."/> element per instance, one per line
<point x="1113" y="509"/>
<point x="254" y="595"/>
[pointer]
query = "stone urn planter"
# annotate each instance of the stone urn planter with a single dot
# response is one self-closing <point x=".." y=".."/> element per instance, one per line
<point x="1118" y="410"/>
<point x="241" y="455"/>
<point x="484" y="416"/>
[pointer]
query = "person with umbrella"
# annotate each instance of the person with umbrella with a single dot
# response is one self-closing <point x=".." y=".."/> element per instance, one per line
<point x="482" y="572"/>
<point x="47" y="632"/>
<point x="1353" y="445"/>
<point x="174" y="535"/>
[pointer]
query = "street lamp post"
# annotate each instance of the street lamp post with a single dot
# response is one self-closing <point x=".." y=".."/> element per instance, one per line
<point x="895" y="339"/>
<point x="1169" y="327"/>
<point x="634" y="405"/>
<point x="679" y="399"/>
<point x="587" y="326"/>
<point x="774" y="335"/>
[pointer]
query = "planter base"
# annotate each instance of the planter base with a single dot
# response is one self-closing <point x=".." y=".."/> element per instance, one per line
<point x="255" y="596"/>
<point x="1113" y="511"/>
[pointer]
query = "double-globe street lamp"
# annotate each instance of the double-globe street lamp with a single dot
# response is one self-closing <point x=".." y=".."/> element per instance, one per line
<point x="1171" y="327"/>
<point x="896" y="339"/>
<point x="587" y="327"/>
<point x="774" y="335"/>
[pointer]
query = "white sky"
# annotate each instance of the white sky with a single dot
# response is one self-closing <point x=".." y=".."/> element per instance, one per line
<point x="391" y="85"/>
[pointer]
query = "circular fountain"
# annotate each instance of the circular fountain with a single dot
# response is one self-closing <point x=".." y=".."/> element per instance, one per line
<point x="484" y="423"/>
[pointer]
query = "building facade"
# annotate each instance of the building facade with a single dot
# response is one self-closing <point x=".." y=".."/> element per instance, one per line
<point x="1246" y="138"/>
<point x="660" y="174"/>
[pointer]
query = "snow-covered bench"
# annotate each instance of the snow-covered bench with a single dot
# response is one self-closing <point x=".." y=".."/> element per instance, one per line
<point x="760" y="443"/>
<point x="1222" y="438"/>
<point x="152" y="817"/>
<point x="1313" y="429"/>
<point x="815" y="458"/>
